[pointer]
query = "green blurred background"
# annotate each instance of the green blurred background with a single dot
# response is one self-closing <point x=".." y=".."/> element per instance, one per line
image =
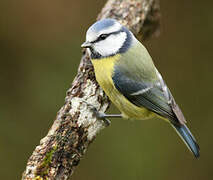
<point x="40" y="52"/>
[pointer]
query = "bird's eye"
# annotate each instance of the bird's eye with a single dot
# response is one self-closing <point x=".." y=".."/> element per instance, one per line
<point x="103" y="36"/>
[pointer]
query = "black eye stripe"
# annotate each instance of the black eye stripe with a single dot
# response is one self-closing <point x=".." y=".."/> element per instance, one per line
<point x="104" y="36"/>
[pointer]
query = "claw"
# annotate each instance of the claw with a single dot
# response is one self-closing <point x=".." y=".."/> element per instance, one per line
<point x="106" y="121"/>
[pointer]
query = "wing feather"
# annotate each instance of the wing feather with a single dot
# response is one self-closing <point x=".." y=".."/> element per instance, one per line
<point x="150" y="95"/>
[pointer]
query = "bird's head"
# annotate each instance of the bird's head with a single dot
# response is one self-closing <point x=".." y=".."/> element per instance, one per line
<point x="107" y="37"/>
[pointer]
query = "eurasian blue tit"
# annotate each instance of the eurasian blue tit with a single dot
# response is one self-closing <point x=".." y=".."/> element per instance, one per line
<point x="127" y="74"/>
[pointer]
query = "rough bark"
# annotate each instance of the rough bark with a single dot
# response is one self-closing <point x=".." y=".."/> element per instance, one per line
<point x="76" y="126"/>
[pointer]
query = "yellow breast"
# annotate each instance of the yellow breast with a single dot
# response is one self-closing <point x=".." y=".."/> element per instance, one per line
<point x="104" y="71"/>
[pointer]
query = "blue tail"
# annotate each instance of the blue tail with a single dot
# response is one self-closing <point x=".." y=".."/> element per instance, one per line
<point x="188" y="139"/>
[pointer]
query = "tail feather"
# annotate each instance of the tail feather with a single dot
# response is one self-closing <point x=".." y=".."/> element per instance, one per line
<point x="188" y="139"/>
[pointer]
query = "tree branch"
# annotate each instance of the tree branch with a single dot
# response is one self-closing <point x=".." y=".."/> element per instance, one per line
<point x="76" y="125"/>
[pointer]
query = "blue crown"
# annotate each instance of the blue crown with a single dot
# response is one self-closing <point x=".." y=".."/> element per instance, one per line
<point x="102" y="24"/>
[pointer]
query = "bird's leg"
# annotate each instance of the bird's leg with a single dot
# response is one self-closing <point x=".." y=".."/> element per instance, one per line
<point x="101" y="115"/>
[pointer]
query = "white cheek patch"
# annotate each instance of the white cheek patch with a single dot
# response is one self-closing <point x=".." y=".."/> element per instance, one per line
<point x="111" y="44"/>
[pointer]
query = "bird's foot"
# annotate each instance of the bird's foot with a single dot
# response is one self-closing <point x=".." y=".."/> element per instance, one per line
<point x="101" y="116"/>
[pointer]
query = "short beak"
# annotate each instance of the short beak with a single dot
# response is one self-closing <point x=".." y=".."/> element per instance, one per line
<point x="86" y="44"/>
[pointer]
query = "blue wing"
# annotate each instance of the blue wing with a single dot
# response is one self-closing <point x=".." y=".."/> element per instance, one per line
<point x="155" y="96"/>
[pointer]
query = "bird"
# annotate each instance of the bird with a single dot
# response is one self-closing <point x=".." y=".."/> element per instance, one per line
<point x="126" y="72"/>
